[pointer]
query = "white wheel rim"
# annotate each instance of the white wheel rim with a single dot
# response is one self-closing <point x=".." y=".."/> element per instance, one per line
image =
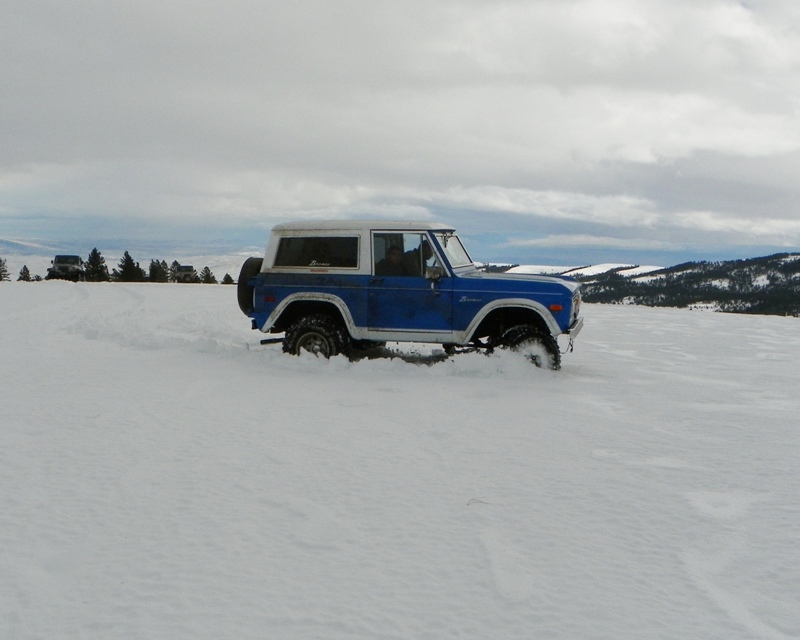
<point x="314" y="343"/>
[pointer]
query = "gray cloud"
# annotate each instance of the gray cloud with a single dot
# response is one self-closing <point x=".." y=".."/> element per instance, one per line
<point x="600" y="122"/>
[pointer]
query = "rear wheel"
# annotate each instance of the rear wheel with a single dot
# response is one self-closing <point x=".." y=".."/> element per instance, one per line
<point x="538" y="347"/>
<point x="316" y="334"/>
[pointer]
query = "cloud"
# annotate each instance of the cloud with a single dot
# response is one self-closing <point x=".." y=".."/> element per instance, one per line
<point x="612" y="114"/>
<point x="781" y="232"/>
<point x="578" y="241"/>
<point x="617" y="210"/>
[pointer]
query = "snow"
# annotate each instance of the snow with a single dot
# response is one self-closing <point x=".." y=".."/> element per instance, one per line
<point x="162" y="475"/>
<point x="597" y="269"/>
<point x="538" y="269"/>
<point x="592" y="270"/>
<point x="219" y="264"/>
<point x="639" y="271"/>
<point x="647" y="278"/>
<point x="37" y="263"/>
<point x="704" y="306"/>
<point x="230" y="263"/>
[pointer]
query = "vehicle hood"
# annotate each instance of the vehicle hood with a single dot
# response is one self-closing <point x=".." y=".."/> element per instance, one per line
<point x="509" y="278"/>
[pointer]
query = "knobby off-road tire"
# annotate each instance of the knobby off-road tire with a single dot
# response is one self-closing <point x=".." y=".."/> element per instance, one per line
<point x="540" y="348"/>
<point x="316" y="334"/>
<point x="244" y="292"/>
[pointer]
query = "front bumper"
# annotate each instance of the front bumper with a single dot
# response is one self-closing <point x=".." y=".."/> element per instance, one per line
<point x="575" y="327"/>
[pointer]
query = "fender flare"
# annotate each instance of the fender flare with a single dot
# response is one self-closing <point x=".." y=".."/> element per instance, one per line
<point x="327" y="298"/>
<point x="524" y="303"/>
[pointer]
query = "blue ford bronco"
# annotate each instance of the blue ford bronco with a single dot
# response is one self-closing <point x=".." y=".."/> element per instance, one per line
<point x="345" y="287"/>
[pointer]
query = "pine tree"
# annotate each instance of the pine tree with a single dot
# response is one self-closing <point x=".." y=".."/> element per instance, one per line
<point x="173" y="271"/>
<point x="24" y="274"/>
<point x="158" y="271"/>
<point x="129" y="270"/>
<point x="96" y="269"/>
<point x="3" y="270"/>
<point x="227" y="279"/>
<point x="206" y="277"/>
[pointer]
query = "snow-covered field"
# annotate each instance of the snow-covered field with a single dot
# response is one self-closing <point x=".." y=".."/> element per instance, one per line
<point x="162" y="475"/>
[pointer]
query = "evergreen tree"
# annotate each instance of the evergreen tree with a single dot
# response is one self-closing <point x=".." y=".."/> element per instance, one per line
<point x="24" y="274"/>
<point x="129" y="270"/>
<point x="158" y="271"/>
<point x="206" y="277"/>
<point x="3" y="270"/>
<point x="96" y="269"/>
<point x="227" y="279"/>
<point x="173" y="271"/>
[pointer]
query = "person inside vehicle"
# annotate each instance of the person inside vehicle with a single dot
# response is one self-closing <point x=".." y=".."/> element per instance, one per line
<point x="414" y="260"/>
<point x="392" y="264"/>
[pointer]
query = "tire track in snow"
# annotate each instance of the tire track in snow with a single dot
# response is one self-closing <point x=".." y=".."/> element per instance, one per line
<point x="705" y="569"/>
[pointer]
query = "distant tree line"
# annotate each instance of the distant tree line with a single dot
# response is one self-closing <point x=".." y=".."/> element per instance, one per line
<point x="128" y="270"/>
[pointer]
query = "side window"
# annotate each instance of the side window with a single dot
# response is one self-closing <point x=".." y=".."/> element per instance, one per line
<point x="387" y="251"/>
<point x="321" y="252"/>
<point x="402" y="254"/>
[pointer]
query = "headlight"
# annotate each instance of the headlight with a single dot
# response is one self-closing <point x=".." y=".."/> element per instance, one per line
<point x="576" y="303"/>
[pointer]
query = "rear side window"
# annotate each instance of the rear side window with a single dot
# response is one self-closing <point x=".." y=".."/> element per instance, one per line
<point x="337" y="252"/>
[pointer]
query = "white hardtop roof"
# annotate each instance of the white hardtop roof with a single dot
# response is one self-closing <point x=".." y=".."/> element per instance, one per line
<point x="362" y="225"/>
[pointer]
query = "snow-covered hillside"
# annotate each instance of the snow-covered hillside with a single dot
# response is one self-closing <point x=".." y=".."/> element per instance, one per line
<point x="627" y="270"/>
<point x="162" y="475"/>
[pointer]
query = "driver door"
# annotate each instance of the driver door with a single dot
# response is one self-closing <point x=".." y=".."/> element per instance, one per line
<point x="400" y="299"/>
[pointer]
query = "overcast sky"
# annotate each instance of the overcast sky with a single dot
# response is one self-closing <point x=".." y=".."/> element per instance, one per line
<point x="559" y="131"/>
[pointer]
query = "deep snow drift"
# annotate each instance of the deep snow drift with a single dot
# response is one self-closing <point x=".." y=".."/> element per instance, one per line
<point x="162" y="475"/>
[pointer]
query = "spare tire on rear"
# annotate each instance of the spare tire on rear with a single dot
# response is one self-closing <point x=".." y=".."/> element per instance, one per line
<point x="250" y="268"/>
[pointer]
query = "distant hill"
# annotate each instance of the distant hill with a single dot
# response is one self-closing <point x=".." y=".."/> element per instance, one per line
<point x="584" y="271"/>
<point x="10" y="245"/>
<point x="768" y="285"/>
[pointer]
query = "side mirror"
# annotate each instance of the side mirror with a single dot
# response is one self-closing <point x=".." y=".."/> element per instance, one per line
<point x="434" y="273"/>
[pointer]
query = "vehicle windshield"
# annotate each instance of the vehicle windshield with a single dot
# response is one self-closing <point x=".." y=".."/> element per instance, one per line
<point x="457" y="256"/>
<point x="68" y="259"/>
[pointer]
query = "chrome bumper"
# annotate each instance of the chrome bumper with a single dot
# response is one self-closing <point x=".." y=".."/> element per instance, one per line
<point x="575" y="327"/>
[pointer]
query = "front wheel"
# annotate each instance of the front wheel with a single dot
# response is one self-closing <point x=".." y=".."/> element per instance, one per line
<point x="538" y="347"/>
<point x="317" y="334"/>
